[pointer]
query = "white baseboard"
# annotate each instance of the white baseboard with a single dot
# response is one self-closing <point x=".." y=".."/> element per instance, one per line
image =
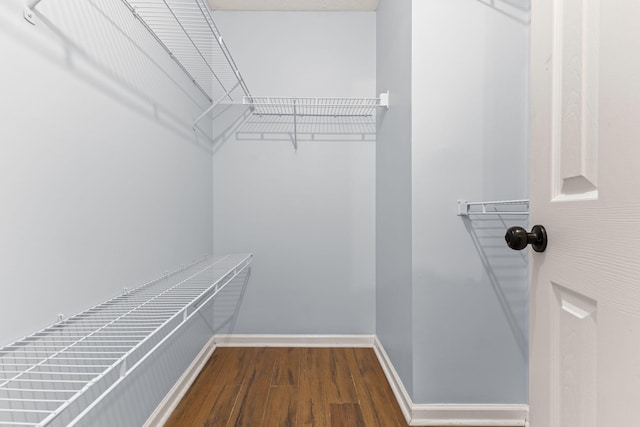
<point x="399" y="391"/>
<point x="469" y="415"/>
<point x="415" y="414"/>
<point x="294" y="340"/>
<point x="164" y="410"/>
<point x="448" y="415"/>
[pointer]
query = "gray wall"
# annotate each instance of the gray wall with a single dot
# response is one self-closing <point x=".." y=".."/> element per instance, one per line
<point x="469" y="142"/>
<point x="308" y="216"/>
<point x="102" y="182"/>
<point x="451" y="307"/>
<point x="394" y="323"/>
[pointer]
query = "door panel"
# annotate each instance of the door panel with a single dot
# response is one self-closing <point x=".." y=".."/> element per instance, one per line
<point x="574" y="330"/>
<point x="576" y="96"/>
<point x="585" y="189"/>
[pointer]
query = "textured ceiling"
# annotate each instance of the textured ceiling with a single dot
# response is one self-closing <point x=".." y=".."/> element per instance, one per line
<point x="295" y="5"/>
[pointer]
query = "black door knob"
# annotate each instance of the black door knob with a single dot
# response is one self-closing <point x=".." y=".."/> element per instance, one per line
<point x="517" y="238"/>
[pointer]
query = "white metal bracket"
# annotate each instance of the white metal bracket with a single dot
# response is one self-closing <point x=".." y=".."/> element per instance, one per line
<point x="29" y="15"/>
<point x="28" y="11"/>
<point x="463" y="208"/>
<point x="384" y="99"/>
<point x="214" y="105"/>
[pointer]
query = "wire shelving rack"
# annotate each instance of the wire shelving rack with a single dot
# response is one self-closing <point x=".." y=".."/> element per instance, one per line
<point x="326" y="107"/>
<point x="187" y="32"/>
<point x="57" y="375"/>
<point x="315" y="107"/>
<point x="501" y="207"/>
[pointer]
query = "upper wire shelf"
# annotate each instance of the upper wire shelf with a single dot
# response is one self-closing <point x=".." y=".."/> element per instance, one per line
<point x="325" y="107"/>
<point x="500" y="207"/>
<point x="187" y="32"/>
<point x="314" y="107"/>
<point x="190" y="35"/>
<point x="54" y="377"/>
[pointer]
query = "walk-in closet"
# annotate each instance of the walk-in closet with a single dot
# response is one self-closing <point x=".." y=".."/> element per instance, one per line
<point x="265" y="213"/>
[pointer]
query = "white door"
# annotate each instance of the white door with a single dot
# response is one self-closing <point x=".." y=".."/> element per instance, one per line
<point x="585" y="170"/>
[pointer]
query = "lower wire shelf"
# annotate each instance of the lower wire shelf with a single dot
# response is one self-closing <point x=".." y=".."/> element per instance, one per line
<point x="55" y="376"/>
<point x="492" y="208"/>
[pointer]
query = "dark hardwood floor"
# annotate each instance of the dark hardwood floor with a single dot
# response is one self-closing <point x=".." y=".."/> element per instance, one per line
<point x="293" y="387"/>
<point x="290" y="387"/>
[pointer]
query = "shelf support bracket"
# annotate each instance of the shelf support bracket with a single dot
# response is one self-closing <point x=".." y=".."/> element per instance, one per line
<point x="29" y="13"/>
<point x="384" y="99"/>
<point x="463" y="208"/>
<point x="214" y="105"/>
<point x="295" y="126"/>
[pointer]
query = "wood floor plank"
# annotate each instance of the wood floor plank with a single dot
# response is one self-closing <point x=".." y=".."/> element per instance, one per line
<point x="374" y="400"/>
<point x="338" y="379"/>
<point x="287" y="369"/>
<point x="376" y="369"/>
<point x="282" y="407"/>
<point x="252" y="400"/>
<point x="346" y="415"/>
<point x="313" y="409"/>
<point x="194" y="403"/>
<point x="221" y="405"/>
<point x="332" y="376"/>
<point x="238" y="364"/>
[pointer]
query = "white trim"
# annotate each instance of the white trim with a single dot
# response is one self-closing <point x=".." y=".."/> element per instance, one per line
<point x="448" y="415"/>
<point x="294" y="340"/>
<point x="164" y="410"/>
<point x="464" y="415"/>
<point x="400" y="393"/>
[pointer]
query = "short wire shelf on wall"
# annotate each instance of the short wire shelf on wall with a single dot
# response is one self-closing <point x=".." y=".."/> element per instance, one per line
<point x="325" y="107"/>
<point x="57" y="375"/>
<point x="501" y="207"/>
<point x="315" y="107"/>
<point x="187" y="32"/>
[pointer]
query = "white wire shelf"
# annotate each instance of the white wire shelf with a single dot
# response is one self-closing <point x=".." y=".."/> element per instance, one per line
<point x="315" y="107"/>
<point x="325" y="107"/>
<point x="500" y="207"/>
<point x="187" y="32"/>
<point x="55" y="376"/>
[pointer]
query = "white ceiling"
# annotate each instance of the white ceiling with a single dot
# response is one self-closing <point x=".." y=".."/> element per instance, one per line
<point x="295" y="5"/>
